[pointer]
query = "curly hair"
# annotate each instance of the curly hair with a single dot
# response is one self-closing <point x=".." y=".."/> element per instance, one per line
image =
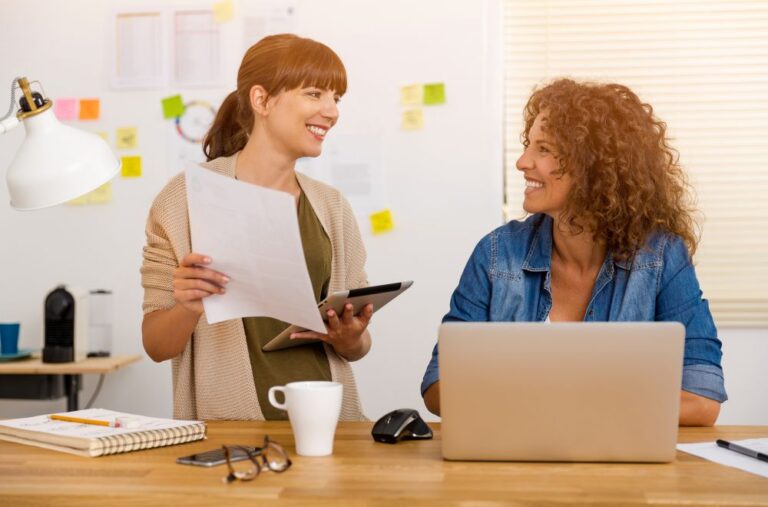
<point x="627" y="182"/>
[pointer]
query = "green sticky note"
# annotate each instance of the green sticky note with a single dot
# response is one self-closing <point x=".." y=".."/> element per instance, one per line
<point x="434" y="93"/>
<point x="173" y="107"/>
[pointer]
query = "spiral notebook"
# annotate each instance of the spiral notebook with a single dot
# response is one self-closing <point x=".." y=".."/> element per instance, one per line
<point x="91" y="440"/>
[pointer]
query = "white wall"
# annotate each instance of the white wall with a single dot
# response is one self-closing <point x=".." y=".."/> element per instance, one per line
<point x="443" y="183"/>
<point x="444" y="186"/>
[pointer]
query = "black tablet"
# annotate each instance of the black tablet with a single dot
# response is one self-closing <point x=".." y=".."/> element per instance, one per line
<point x="376" y="295"/>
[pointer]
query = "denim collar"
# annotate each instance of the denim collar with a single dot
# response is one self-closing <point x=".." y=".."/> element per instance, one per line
<point x="539" y="256"/>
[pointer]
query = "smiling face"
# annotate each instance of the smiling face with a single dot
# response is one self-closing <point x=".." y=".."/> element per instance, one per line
<point x="546" y="189"/>
<point x="298" y="120"/>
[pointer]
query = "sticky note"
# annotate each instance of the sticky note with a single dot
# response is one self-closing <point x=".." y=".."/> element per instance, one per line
<point x="434" y="93"/>
<point x="381" y="221"/>
<point x="101" y="195"/>
<point x="173" y="107"/>
<point x="103" y="135"/>
<point x="89" y="109"/>
<point x="126" y="138"/>
<point x="412" y="119"/>
<point x="131" y="167"/>
<point x="412" y="95"/>
<point x="65" y="109"/>
<point x="223" y="11"/>
<point x="79" y="201"/>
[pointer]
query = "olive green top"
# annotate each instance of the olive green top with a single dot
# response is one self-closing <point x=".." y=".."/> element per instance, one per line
<point x="294" y="364"/>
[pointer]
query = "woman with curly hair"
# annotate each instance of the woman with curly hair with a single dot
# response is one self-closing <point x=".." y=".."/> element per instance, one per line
<point x="610" y="236"/>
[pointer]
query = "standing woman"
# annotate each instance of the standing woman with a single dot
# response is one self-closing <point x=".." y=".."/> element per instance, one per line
<point x="610" y="236"/>
<point x="285" y="104"/>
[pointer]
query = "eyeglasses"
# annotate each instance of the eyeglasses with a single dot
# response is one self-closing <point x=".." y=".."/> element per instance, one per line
<point x="270" y="456"/>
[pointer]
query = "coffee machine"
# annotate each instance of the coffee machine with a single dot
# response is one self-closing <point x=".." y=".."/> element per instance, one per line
<point x="66" y="325"/>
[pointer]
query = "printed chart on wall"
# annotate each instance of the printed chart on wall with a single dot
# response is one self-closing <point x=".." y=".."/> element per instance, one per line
<point x="352" y="164"/>
<point x="260" y="19"/>
<point x="186" y="132"/>
<point x="164" y="46"/>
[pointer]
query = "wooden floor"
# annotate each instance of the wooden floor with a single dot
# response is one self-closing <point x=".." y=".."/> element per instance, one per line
<point x="362" y="472"/>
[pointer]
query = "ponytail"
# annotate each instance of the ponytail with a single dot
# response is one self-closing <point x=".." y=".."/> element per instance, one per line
<point x="227" y="135"/>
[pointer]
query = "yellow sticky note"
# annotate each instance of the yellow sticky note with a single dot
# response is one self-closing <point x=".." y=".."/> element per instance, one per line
<point x="131" y="167"/>
<point x="412" y="95"/>
<point x="381" y="221"/>
<point x="79" y="201"/>
<point x="103" y="135"/>
<point x="434" y="93"/>
<point x="89" y="109"/>
<point x="126" y="138"/>
<point x="101" y="195"/>
<point x="412" y="119"/>
<point x="223" y="11"/>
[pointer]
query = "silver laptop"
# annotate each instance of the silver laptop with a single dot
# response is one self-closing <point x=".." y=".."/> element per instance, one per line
<point x="572" y="391"/>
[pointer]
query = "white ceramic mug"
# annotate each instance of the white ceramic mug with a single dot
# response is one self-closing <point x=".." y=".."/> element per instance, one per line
<point x="313" y="409"/>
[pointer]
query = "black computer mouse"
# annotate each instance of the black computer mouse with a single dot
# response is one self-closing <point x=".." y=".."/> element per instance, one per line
<point x="401" y="424"/>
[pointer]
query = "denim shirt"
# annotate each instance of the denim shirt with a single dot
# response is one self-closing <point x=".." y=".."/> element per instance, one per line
<point x="508" y="276"/>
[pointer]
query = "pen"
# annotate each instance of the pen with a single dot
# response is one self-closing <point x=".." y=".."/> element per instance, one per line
<point x="81" y="420"/>
<point x="742" y="450"/>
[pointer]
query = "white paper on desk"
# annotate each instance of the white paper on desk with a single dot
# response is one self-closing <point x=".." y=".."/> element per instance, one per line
<point x="711" y="452"/>
<point x="251" y="233"/>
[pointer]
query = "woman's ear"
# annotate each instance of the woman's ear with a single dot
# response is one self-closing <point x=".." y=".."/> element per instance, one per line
<point x="259" y="98"/>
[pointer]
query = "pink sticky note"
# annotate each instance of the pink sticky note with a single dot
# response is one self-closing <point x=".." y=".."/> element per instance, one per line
<point x="65" y="109"/>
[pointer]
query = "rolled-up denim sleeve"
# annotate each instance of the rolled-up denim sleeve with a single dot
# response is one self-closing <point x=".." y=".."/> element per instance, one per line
<point x="705" y="380"/>
<point x="469" y="303"/>
<point x="680" y="300"/>
<point x="432" y="374"/>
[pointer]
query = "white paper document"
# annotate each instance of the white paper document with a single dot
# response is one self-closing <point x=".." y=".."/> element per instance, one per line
<point x="251" y="233"/>
<point x="711" y="452"/>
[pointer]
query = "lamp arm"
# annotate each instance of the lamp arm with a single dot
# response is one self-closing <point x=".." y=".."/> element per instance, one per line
<point x="10" y="121"/>
<point x="8" y="124"/>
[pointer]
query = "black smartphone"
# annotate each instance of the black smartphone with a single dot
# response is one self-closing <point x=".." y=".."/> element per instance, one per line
<point x="213" y="457"/>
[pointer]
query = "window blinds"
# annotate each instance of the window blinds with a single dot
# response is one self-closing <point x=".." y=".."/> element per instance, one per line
<point x="703" y="66"/>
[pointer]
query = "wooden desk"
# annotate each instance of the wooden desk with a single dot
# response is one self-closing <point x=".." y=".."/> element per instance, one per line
<point x="362" y="472"/>
<point x="72" y="371"/>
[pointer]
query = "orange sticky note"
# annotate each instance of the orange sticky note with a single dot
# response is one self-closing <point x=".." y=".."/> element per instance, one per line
<point x="89" y="109"/>
<point x="131" y="167"/>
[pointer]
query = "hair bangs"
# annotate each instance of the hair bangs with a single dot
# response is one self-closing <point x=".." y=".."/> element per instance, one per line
<point x="310" y="63"/>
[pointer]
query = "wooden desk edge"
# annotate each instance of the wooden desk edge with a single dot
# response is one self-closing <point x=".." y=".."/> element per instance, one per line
<point x="35" y="366"/>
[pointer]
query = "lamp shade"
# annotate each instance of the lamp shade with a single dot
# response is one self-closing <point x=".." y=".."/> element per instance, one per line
<point x="57" y="163"/>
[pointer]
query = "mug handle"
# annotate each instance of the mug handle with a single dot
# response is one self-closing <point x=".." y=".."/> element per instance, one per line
<point x="273" y="400"/>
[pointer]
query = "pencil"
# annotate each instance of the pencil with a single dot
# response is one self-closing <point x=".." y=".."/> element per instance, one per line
<point x="97" y="422"/>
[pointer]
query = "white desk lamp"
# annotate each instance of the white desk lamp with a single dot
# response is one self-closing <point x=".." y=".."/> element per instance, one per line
<point x="55" y="163"/>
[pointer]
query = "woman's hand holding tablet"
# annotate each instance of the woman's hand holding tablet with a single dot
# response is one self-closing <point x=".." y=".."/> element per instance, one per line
<point x="347" y="314"/>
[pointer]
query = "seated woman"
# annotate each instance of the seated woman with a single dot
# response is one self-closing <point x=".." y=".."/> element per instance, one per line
<point x="610" y="236"/>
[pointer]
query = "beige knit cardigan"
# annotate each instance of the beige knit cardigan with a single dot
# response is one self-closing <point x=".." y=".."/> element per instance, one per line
<point x="212" y="377"/>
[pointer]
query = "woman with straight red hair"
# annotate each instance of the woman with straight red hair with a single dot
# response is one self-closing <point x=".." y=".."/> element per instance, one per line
<point x="285" y="104"/>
